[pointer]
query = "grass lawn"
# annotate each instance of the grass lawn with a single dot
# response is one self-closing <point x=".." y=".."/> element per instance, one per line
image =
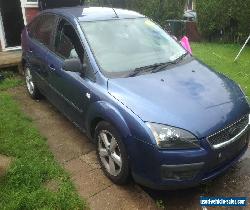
<point x="221" y="57"/>
<point x="11" y="80"/>
<point x="23" y="187"/>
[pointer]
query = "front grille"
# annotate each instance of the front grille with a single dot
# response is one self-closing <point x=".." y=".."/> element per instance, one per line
<point x="229" y="132"/>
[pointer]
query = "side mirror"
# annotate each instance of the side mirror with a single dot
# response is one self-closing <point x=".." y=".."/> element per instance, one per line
<point x="74" y="65"/>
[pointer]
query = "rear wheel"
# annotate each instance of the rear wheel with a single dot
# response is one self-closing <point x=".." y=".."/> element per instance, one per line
<point x="111" y="153"/>
<point x="31" y="86"/>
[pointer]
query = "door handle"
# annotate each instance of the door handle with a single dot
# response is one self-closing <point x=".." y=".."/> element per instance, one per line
<point x="52" y="67"/>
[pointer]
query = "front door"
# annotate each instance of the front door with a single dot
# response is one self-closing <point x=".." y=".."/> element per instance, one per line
<point x="12" y="22"/>
<point x="72" y="90"/>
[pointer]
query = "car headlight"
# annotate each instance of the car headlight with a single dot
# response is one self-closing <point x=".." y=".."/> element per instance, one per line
<point x="168" y="137"/>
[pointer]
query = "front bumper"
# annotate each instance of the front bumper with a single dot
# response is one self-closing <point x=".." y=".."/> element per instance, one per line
<point x="162" y="169"/>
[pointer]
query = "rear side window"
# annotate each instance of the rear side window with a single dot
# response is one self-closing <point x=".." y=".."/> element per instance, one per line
<point x="43" y="28"/>
<point x="32" y="27"/>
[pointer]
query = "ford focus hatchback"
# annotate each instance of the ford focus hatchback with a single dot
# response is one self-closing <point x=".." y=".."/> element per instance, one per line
<point x="155" y="112"/>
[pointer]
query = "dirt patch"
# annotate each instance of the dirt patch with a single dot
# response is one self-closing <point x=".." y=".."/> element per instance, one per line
<point x="52" y="185"/>
<point x="4" y="164"/>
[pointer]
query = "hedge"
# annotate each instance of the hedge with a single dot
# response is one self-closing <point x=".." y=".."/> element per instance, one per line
<point x="159" y="10"/>
<point x="227" y="20"/>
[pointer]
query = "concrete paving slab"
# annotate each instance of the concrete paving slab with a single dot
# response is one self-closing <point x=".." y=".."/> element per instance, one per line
<point x="121" y="197"/>
<point x="91" y="183"/>
<point x="77" y="166"/>
<point x="91" y="159"/>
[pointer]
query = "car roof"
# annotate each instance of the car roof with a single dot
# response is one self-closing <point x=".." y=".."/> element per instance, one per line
<point x="94" y="13"/>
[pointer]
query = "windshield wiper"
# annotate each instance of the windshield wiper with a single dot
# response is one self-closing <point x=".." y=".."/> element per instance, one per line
<point x="144" y="69"/>
<point x="180" y="58"/>
<point x="155" y="67"/>
<point x="164" y="65"/>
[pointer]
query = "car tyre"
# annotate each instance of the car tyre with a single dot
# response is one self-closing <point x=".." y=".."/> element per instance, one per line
<point x="30" y="84"/>
<point x="111" y="153"/>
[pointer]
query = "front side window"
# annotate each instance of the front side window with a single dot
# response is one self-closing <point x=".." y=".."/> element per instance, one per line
<point x="68" y="46"/>
<point x="43" y="29"/>
<point x="67" y="42"/>
<point x="120" y="46"/>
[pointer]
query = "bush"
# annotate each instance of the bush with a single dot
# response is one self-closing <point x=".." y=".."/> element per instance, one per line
<point x="159" y="10"/>
<point x="228" y="20"/>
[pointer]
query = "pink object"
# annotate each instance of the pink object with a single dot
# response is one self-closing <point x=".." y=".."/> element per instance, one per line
<point x="185" y="44"/>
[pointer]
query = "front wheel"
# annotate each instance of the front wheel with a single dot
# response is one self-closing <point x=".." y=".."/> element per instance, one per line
<point x="111" y="153"/>
<point x="31" y="86"/>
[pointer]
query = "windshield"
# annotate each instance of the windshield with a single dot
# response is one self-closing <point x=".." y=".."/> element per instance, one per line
<point x="122" y="45"/>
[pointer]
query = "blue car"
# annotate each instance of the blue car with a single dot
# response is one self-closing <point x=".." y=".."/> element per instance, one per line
<point x="155" y="113"/>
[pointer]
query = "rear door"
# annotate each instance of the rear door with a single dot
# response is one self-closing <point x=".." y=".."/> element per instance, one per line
<point x="39" y="41"/>
<point x="72" y="92"/>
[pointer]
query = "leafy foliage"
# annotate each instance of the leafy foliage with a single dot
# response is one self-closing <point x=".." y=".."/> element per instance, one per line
<point x="228" y="20"/>
<point x="158" y="10"/>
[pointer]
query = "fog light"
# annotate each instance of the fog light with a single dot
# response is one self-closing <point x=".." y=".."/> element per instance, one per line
<point x="180" y="172"/>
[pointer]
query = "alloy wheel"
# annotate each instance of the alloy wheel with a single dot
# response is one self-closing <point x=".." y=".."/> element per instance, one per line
<point x="29" y="81"/>
<point x="109" y="153"/>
